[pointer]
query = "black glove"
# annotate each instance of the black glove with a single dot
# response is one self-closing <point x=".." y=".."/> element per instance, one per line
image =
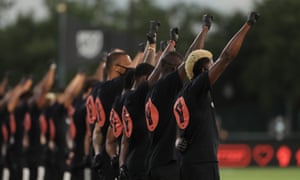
<point x="252" y="18"/>
<point x="151" y="37"/>
<point x="97" y="163"/>
<point x="182" y="145"/>
<point x="123" y="173"/>
<point x="174" y="34"/>
<point x="154" y="25"/>
<point x="207" y="19"/>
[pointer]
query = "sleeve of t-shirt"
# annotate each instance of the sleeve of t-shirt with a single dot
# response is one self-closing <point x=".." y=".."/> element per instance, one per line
<point x="200" y="84"/>
<point x="138" y="96"/>
<point x="96" y="88"/>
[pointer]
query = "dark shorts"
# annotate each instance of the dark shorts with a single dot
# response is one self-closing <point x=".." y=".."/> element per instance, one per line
<point x="167" y="172"/>
<point x="106" y="172"/>
<point x="207" y="171"/>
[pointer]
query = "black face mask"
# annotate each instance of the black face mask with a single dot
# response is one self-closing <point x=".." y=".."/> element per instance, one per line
<point x="126" y="69"/>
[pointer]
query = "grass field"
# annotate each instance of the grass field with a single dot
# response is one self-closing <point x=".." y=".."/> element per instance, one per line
<point x="292" y="173"/>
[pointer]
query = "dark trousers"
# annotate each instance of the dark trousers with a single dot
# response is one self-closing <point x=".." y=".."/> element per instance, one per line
<point x="206" y="171"/>
<point x="106" y="172"/>
<point x="167" y="172"/>
<point x="77" y="173"/>
<point x="15" y="164"/>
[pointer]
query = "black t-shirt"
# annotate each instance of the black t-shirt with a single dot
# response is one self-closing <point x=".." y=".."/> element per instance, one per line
<point x="162" y="127"/>
<point x="4" y="122"/>
<point x="116" y="116"/>
<point x="79" y="119"/>
<point x="19" y="115"/>
<point x="59" y="117"/>
<point x="35" y="131"/>
<point x="47" y="113"/>
<point x="4" y="135"/>
<point x="135" y="129"/>
<point x="201" y="130"/>
<point x="105" y="96"/>
<point x="90" y="105"/>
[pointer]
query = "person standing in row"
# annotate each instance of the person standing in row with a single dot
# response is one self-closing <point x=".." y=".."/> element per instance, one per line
<point x="115" y="131"/>
<point x="194" y="109"/>
<point x="33" y="143"/>
<point x="162" y="163"/>
<point x="118" y="65"/>
<point x="81" y="149"/>
<point x="60" y="144"/>
<point x="135" y="141"/>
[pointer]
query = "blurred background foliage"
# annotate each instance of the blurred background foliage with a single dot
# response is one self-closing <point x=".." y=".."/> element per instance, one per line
<point x="261" y="83"/>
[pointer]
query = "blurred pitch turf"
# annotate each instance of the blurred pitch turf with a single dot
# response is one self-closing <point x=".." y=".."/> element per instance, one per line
<point x="256" y="173"/>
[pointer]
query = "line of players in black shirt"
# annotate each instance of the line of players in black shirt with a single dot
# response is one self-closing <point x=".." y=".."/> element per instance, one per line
<point x="149" y="118"/>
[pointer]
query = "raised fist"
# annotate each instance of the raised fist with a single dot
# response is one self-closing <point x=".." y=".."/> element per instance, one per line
<point x="207" y="19"/>
<point x="154" y="25"/>
<point x="174" y="34"/>
<point x="252" y="18"/>
<point x="151" y="37"/>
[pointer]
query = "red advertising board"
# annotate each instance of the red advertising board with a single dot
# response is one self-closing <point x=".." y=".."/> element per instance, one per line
<point x="259" y="154"/>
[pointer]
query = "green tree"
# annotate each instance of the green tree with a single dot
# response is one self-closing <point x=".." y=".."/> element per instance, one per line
<point x="26" y="47"/>
<point x="272" y="69"/>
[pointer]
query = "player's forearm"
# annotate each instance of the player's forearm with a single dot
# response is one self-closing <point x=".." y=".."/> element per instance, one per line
<point x="87" y="144"/>
<point x="198" y="42"/>
<point x="233" y="47"/>
<point x="97" y="139"/>
<point x="156" y="72"/>
<point x="124" y="150"/>
<point x="111" y="143"/>
<point x="229" y="53"/>
<point x="111" y="149"/>
<point x="150" y="55"/>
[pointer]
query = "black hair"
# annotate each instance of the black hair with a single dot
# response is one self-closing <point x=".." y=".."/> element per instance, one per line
<point x="168" y="64"/>
<point x="143" y="69"/>
<point x="199" y="65"/>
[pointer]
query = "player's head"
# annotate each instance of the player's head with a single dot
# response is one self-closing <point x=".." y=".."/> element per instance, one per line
<point x="171" y="61"/>
<point x="138" y="75"/>
<point x="142" y="71"/>
<point x="197" y="62"/>
<point x="117" y="63"/>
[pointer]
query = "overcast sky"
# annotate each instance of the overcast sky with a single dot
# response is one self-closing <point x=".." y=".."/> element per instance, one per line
<point x="37" y="8"/>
